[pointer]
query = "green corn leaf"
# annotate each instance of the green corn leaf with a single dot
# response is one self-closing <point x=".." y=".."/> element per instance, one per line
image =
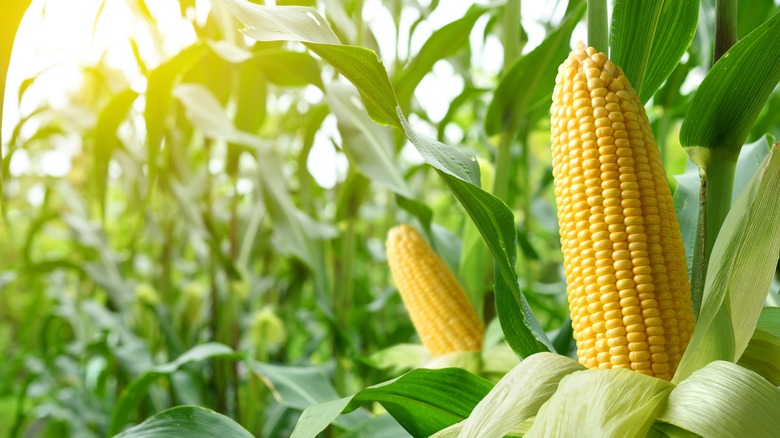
<point x="133" y="393"/>
<point x="160" y="84"/>
<point x="289" y="23"/>
<point x="306" y="25"/>
<point x="295" y="232"/>
<point x="648" y="39"/>
<point x="752" y="14"/>
<point x="317" y="417"/>
<point x="206" y="113"/>
<point x="423" y="401"/>
<point x="724" y="399"/>
<point x="529" y="81"/>
<point x="251" y="109"/>
<point x="281" y="67"/>
<point x="289" y="69"/>
<point x="495" y="222"/>
<point x="363" y="68"/>
<point x="461" y="173"/>
<point x="106" y="140"/>
<point x="368" y="145"/>
<point x="443" y="43"/>
<point x="732" y="94"/>
<point x="603" y="403"/>
<point x="740" y="271"/>
<point x="419" y="210"/>
<point x="187" y="422"/>
<point x="302" y="387"/>
<point x="381" y="426"/>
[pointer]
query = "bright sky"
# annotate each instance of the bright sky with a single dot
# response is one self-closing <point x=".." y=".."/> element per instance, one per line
<point x="56" y="38"/>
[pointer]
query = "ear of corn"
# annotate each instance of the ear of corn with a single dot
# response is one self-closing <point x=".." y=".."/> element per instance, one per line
<point x="441" y="312"/>
<point x="624" y="261"/>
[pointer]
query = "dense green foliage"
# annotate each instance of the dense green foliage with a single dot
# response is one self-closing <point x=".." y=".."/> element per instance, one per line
<point x="191" y="257"/>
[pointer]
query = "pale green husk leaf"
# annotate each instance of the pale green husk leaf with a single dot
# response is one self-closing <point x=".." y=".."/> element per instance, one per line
<point x="602" y="403"/>
<point x="724" y="399"/>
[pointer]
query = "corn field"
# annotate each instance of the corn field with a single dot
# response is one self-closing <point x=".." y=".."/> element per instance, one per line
<point x="366" y="218"/>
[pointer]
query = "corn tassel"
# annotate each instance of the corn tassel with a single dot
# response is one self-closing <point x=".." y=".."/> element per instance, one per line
<point x="439" y="308"/>
<point x="627" y="282"/>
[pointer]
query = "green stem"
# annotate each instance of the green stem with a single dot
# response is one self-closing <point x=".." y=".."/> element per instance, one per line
<point x="717" y="185"/>
<point x="512" y="50"/>
<point x="361" y="24"/>
<point x="512" y="47"/>
<point x="725" y="27"/>
<point x="503" y="164"/>
<point x="525" y="173"/>
<point x="719" y="188"/>
<point x="598" y="25"/>
<point x="716" y="170"/>
<point x="344" y="303"/>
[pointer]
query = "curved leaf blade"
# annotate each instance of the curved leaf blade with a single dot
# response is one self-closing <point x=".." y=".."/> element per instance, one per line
<point x="291" y="23"/>
<point x="634" y="24"/>
<point x="443" y="43"/>
<point x="648" y="39"/>
<point x="732" y="94"/>
<point x="300" y="388"/>
<point x="495" y="223"/>
<point x="423" y="401"/>
<point x="676" y="28"/>
<point x="187" y="422"/>
<point x="132" y="395"/>
<point x="106" y="140"/>
<point x="206" y="113"/>
<point x="529" y="81"/>
<point x="160" y="83"/>
<point x="370" y="146"/>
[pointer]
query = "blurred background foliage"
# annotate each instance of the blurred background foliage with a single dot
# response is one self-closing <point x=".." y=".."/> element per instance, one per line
<point x="204" y="189"/>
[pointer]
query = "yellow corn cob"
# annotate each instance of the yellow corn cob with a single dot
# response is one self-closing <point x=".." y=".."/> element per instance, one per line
<point x="624" y="261"/>
<point x="440" y="310"/>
